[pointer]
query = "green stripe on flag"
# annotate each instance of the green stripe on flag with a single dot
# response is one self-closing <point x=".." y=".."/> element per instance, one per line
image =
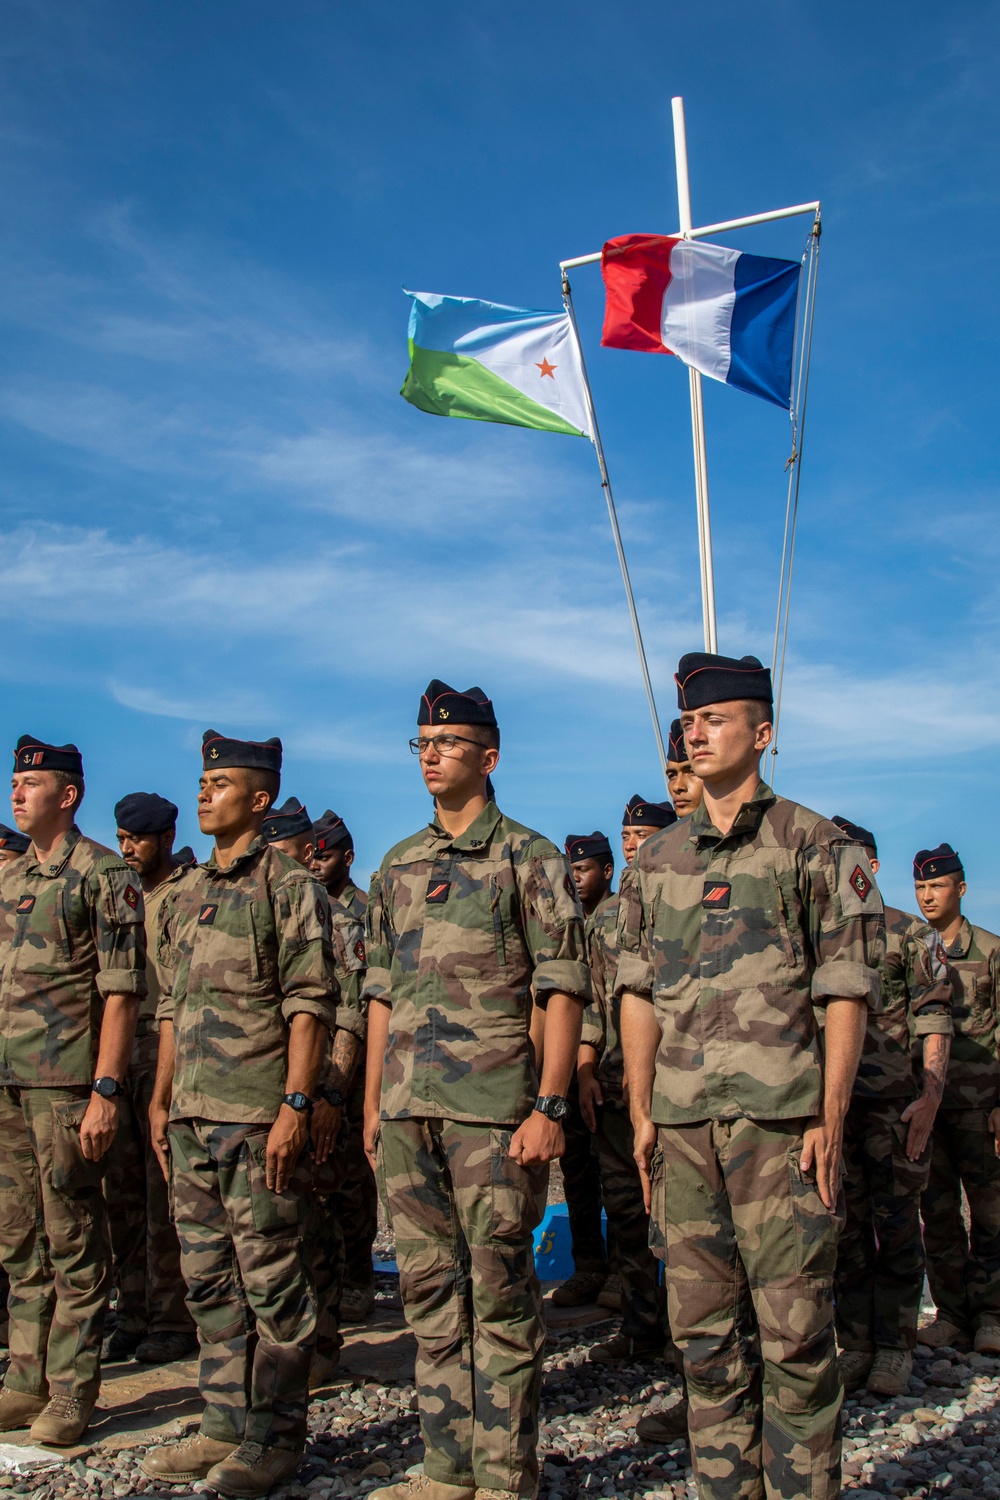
<point x="453" y="385"/>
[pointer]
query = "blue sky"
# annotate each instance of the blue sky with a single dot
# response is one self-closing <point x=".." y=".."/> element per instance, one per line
<point x="217" y="511"/>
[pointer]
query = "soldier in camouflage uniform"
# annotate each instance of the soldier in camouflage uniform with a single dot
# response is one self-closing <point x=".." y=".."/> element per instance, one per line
<point x="683" y="785"/>
<point x="72" y="971"/>
<point x="354" y="1201"/>
<point x="741" y="920"/>
<point x="248" y="997"/>
<point x="290" y="829"/>
<point x="963" y="1269"/>
<point x="593" y="867"/>
<point x="153" y="1322"/>
<point x="880" y="1257"/>
<point x="467" y="921"/>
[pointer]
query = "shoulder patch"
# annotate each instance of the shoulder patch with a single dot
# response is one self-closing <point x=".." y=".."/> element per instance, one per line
<point x="859" y="895"/>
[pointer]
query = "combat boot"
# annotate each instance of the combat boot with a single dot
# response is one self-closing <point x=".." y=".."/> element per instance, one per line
<point x="187" y="1461"/>
<point x="253" y="1470"/>
<point x="610" y="1294"/>
<point x="62" y="1421"/>
<point x="854" y="1367"/>
<point x="323" y="1369"/>
<point x="890" y="1373"/>
<point x="419" y="1487"/>
<point x="664" y="1426"/>
<point x="356" y="1303"/>
<point x="580" y="1290"/>
<point x="987" y="1336"/>
<point x="18" y="1409"/>
<point x="943" y="1334"/>
<point x="618" y="1350"/>
<point x="164" y="1348"/>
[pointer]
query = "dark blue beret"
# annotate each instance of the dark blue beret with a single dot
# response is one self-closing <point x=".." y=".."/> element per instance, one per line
<point x="145" y="812"/>
<point x="12" y="838"/>
<point x="287" y="821"/>
<point x="31" y="754"/>
<point x="185" y="857"/>
<point x="219" y="753"/>
<point x="857" y="834"/>
<point x="589" y="846"/>
<point x="640" y="813"/>
<point x="702" y="677"/>
<point x="928" y="863"/>
<point x="676" y="748"/>
<point x="331" y="832"/>
<point x="442" y="704"/>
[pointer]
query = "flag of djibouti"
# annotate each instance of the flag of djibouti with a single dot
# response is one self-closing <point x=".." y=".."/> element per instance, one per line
<point x="495" y="364"/>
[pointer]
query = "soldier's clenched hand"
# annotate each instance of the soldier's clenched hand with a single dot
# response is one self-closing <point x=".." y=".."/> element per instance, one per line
<point x="284" y="1143"/>
<point x="539" y="1140"/>
<point x="98" y="1127"/>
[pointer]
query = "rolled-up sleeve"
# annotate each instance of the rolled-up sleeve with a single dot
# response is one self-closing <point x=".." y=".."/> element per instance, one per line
<point x="928" y="985"/>
<point x="120" y="930"/>
<point x="847" y="921"/>
<point x="635" y="959"/>
<point x="305" y="950"/>
<point x="554" y="927"/>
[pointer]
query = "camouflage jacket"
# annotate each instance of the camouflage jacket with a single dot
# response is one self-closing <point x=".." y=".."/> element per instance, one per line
<point x="916" y="1002"/>
<point x="348" y="932"/>
<point x="604" y="1013"/>
<point x="71" y="932"/>
<point x="354" y="900"/>
<point x="461" y="931"/>
<point x="735" y="938"/>
<point x="242" y="951"/>
<point x="154" y="899"/>
<point x="973" y="962"/>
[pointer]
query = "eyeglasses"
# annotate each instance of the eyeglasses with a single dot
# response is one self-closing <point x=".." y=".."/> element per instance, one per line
<point x="444" y="744"/>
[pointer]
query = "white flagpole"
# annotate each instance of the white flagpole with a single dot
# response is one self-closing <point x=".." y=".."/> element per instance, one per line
<point x="697" y="402"/>
<point x="567" y="296"/>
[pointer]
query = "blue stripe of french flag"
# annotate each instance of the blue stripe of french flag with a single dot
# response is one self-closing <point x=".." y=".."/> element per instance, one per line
<point x="725" y="313"/>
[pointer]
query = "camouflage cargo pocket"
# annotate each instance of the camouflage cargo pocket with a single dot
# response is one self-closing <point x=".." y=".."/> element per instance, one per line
<point x="71" y="1171"/>
<point x="518" y="1193"/>
<point x="658" y="1206"/>
<point x="816" y="1230"/>
<point x="272" y="1213"/>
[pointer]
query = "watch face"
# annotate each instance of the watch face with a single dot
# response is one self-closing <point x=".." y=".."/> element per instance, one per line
<point x="106" y="1087"/>
<point x="559" y="1109"/>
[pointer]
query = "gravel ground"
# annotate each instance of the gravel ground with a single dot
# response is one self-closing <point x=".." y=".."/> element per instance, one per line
<point x="943" y="1437"/>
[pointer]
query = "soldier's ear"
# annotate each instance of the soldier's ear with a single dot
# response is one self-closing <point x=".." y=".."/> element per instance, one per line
<point x="490" y="759"/>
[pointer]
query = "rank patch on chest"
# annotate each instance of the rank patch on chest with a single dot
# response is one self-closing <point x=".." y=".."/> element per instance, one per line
<point x="25" y="905"/>
<point x="715" y="895"/>
<point x="206" y="915"/>
<point x="437" y="892"/>
<point x="131" y="896"/>
<point x="860" y="882"/>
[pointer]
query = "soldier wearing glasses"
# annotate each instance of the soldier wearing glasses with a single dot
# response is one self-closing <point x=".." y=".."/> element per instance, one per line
<point x="469" y="920"/>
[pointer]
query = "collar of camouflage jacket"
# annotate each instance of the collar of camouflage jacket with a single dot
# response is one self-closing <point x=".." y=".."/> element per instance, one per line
<point x="962" y="942"/>
<point x="56" y="863"/>
<point x="476" y="836"/>
<point x="747" y="820"/>
<point x="211" y="863"/>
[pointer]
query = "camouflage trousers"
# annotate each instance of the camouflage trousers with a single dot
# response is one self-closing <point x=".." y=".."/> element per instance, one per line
<point x="582" y="1182"/>
<point x="750" y="1257"/>
<point x="53" y="1243"/>
<point x="643" y="1312"/>
<point x="963" y="1269"/>
<point x="241" y="1240"/>
<point x="324" y="1247"/>
<point x="355" y="1199"/>
<point x="880" y="1257"/>
<point x="145" y="1254"/>
<point x="463" y="1215"/>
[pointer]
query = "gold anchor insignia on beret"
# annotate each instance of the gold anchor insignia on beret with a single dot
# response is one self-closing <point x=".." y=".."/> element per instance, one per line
<point x="442" y="713"/>
<point x="27" y="757"/>
<point x="213" y="754"/>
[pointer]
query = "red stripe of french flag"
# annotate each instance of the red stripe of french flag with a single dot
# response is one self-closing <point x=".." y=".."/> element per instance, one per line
<point x="640" y="274"/>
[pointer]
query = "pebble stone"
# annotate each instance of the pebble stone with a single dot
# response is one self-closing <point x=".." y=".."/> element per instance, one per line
<point x="943" y="1437"/>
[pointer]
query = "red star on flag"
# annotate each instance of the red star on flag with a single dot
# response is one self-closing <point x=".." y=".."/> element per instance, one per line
<point x="546" y="368"/>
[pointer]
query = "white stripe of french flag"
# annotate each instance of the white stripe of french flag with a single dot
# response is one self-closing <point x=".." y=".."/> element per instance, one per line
<point x="725" y="313"/>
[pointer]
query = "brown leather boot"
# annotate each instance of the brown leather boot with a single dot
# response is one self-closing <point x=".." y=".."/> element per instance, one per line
<point x="253" y="1470"/>
<point x="19" y="1410"/>
<point x="62" y="1421"/>
<point x="187" y="1461"/>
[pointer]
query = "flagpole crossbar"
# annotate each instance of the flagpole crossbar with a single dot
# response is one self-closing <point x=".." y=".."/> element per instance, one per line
<point x="723" y="228"/>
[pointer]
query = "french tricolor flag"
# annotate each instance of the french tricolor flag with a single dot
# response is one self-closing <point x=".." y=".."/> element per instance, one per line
<point x="727" y="314"/>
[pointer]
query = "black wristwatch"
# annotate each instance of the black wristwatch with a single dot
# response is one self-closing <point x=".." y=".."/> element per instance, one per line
<point x="333" y="1096"/>
<point x="301" y="1103"/>
<point x="108" y="1088"/>
<point x="553" y="1106"/>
